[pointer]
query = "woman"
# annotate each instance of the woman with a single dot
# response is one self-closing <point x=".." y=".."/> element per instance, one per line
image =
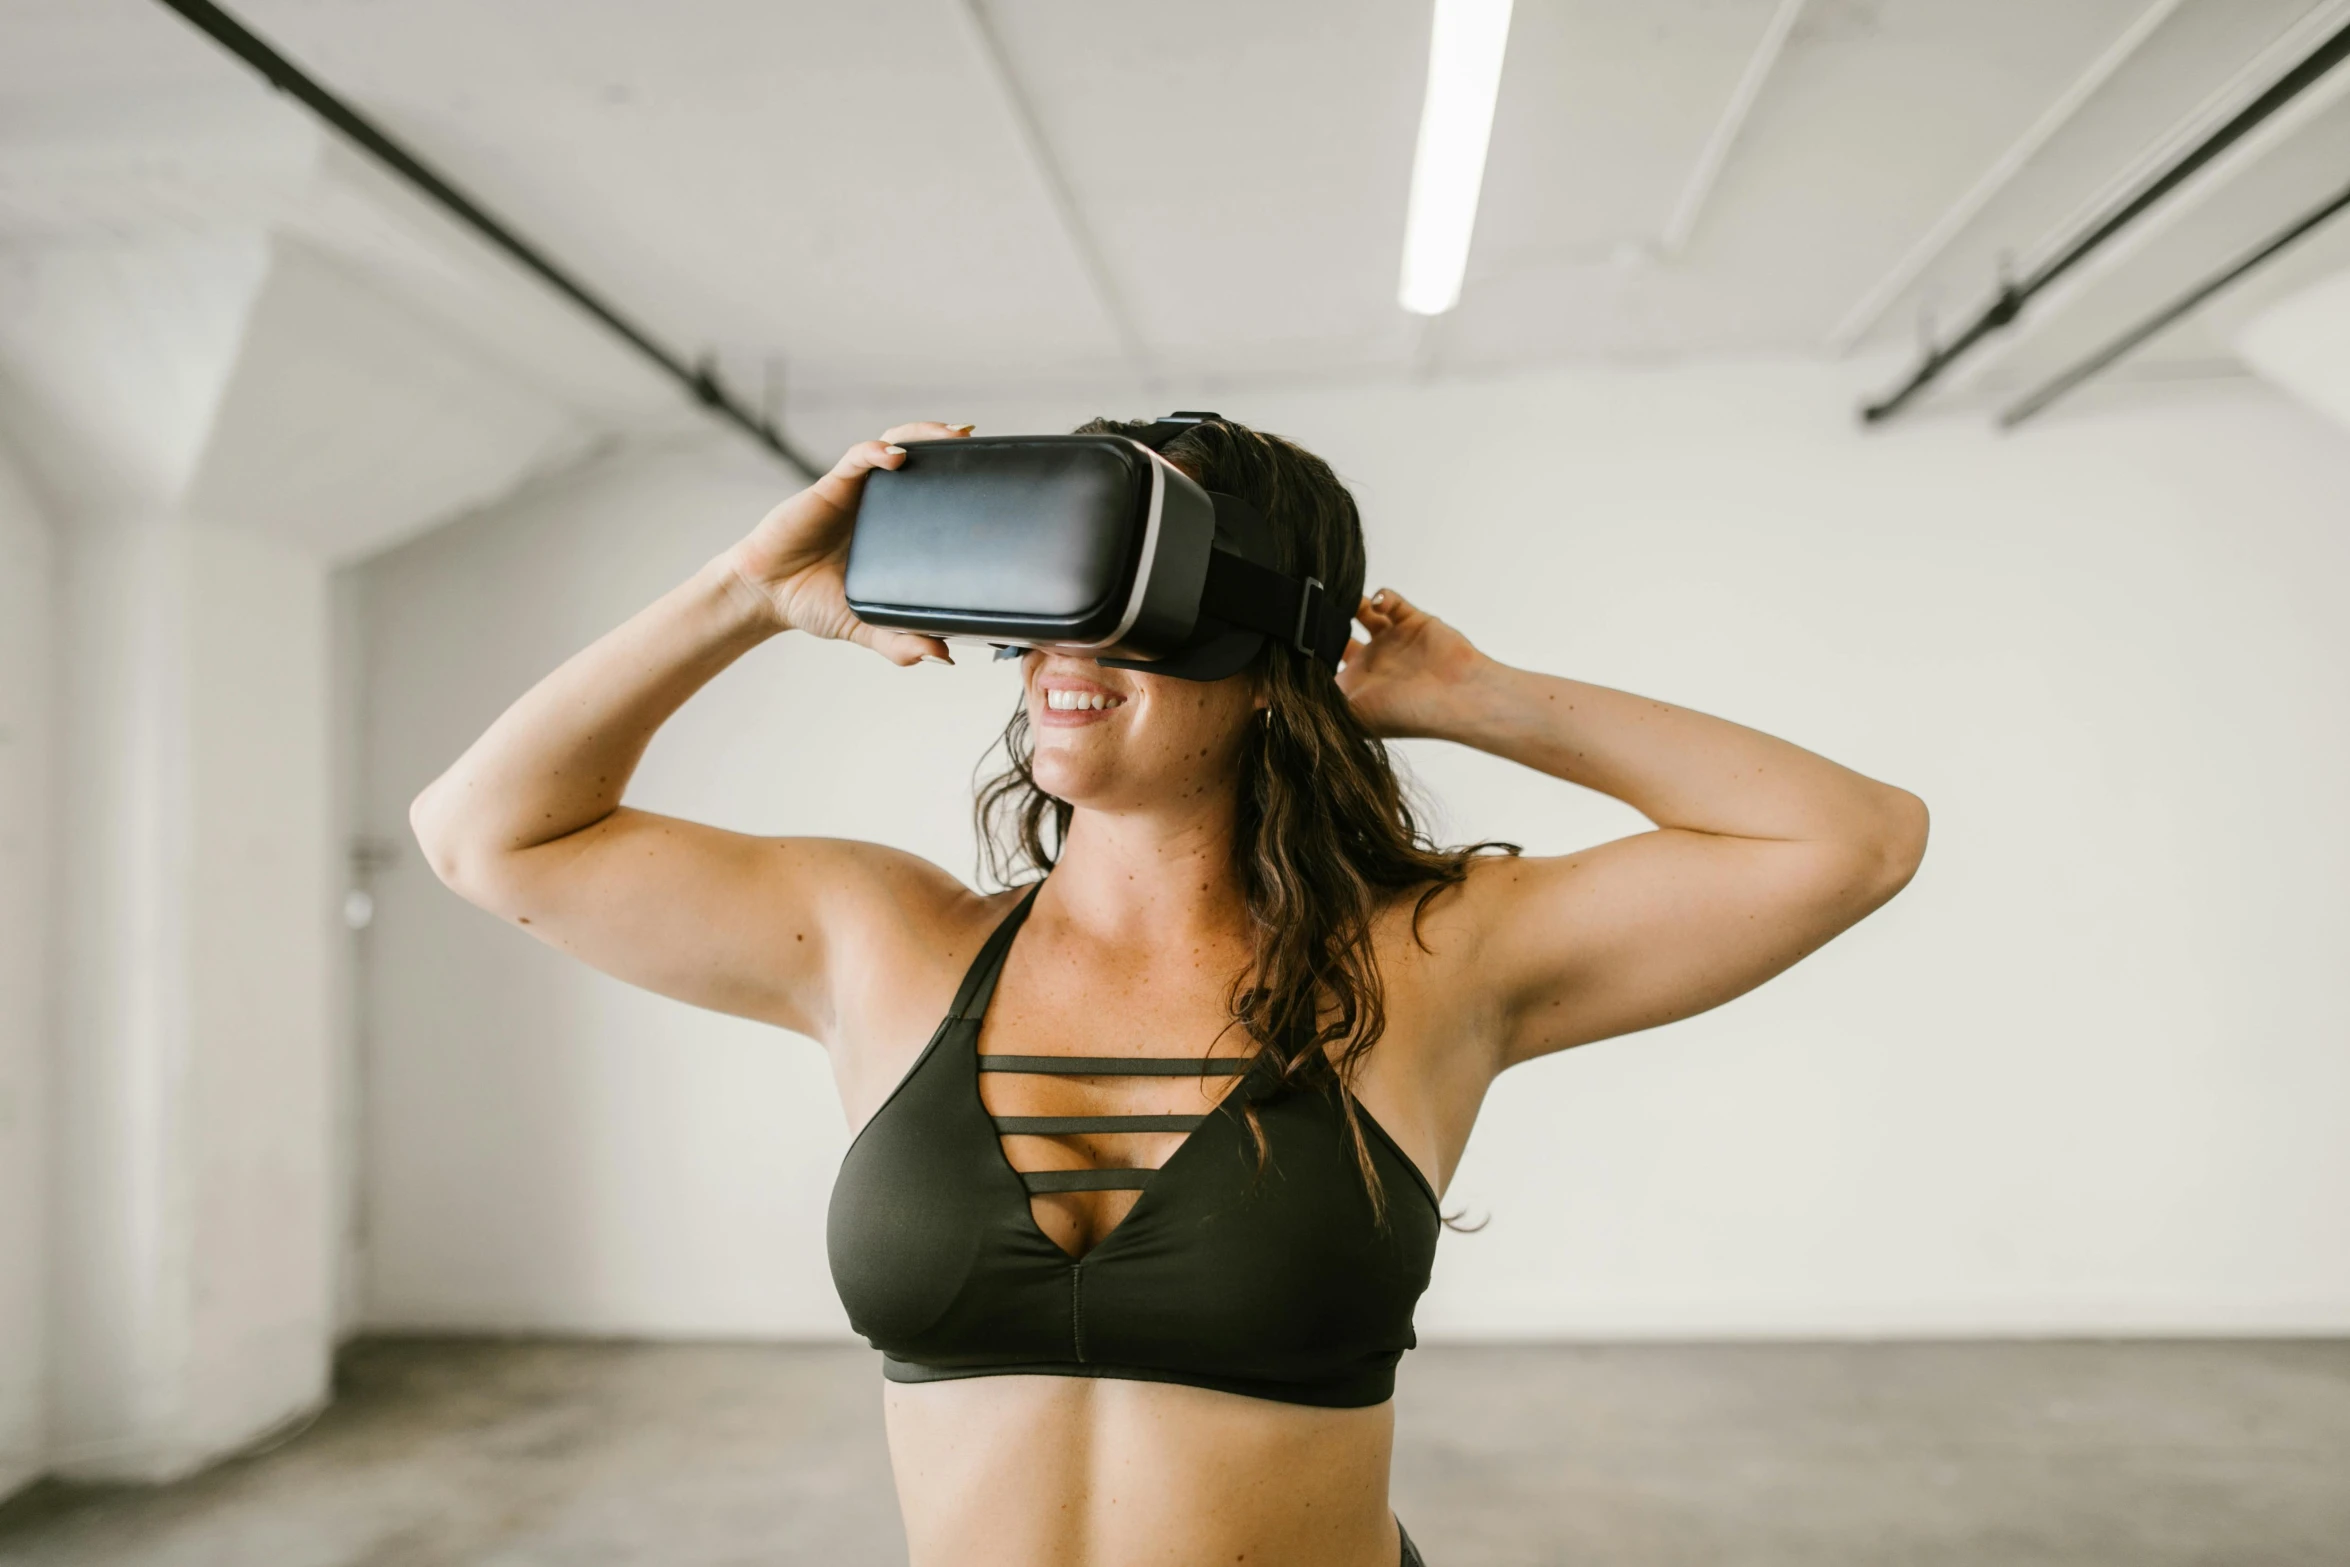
<point x="1140" y="1225"/>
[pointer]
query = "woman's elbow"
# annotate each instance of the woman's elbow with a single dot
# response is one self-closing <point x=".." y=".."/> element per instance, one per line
<point x="1897" y="844"/>
<point x="443" y="841"/>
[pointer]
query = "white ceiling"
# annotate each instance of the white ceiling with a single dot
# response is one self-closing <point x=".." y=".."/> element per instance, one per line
<point x="843" y="189"/>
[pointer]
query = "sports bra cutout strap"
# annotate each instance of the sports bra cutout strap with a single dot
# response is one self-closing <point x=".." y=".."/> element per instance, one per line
<point x="1068" y="1125"/>
<point x="1118" y="1066"/>
<point x="1103" y="1179"/>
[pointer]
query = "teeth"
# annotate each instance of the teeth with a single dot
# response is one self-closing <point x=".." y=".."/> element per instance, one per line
<point x="1061" y="701"/>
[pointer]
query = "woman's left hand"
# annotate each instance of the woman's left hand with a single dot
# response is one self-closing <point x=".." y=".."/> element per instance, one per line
<point x="1407" y="680"/>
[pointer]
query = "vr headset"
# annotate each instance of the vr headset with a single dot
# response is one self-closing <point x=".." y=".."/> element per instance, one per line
<point x="1081" y="543"/>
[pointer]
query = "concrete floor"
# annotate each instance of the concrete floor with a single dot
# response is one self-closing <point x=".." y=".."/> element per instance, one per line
<point x="585" y="1455"/>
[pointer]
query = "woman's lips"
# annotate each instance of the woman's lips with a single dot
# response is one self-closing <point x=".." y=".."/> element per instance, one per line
<point x="1073" y="705"/>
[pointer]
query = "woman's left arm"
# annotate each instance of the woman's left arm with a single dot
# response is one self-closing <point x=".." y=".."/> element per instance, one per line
<point x="1762" y="851"/>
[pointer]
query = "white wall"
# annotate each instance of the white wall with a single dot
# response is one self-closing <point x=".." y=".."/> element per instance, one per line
<point x="2302" y="343"/>
<point x="2087" y="1074"/>
<point x="27" y="572"/>
<point x="209" y="423"/>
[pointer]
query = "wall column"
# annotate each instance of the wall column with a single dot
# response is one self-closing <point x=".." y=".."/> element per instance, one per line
<point x="27" y="760"/>
<point x="192" y="1248"/>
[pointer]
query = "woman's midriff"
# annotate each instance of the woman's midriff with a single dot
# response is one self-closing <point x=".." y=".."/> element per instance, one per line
<point x="1094" y="1472"/>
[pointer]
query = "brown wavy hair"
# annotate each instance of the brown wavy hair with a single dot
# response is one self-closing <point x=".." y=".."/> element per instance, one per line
<point x="1326" y="835"/>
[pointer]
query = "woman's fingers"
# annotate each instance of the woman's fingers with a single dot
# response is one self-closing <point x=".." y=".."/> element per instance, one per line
<point x="1382" y="611"/>
<point x="865" y="456"/>
<point x="839" y="488"/>
<point x="925" y="430"/>
<point x="902" y="648"/>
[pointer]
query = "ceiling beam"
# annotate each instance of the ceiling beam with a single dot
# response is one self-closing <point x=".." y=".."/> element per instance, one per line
<point x="1716" y="152"/>
<point x="1871" y="306"/>
<point x="1059" y="193"/>
<point x="699" y="381"/>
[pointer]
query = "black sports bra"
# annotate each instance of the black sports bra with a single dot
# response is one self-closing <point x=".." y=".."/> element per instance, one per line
<point x="1278" y="1285"/>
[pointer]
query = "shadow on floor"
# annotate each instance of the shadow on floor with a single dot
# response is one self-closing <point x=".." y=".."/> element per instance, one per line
<point x="452" y="1453"/>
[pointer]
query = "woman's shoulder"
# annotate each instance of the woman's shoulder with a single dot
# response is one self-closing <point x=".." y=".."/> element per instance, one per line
<point x="905" y="932"/>
<point x="1429" y="940"/>
<point x="1430" y="919"/>
<point x="891" y="898"/>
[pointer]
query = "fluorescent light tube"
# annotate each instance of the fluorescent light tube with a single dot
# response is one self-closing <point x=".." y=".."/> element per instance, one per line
<point x="1465" y="46"/>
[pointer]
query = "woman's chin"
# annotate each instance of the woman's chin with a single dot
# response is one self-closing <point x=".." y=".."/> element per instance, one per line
<point x="1066" y="777"/>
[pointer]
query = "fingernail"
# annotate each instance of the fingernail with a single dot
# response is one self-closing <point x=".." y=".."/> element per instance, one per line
<point x="964" y="429"/>
<point x="894" y="451"/>
<point x="935" y="658"/>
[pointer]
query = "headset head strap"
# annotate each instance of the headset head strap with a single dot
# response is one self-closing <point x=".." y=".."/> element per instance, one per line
<point x="1168" y="426"/>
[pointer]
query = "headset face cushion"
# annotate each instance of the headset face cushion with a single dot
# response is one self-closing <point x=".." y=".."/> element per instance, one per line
<point x="1026" y="538"/>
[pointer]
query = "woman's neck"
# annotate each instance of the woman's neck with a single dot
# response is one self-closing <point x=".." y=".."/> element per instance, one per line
<point x="1151" y="876"/>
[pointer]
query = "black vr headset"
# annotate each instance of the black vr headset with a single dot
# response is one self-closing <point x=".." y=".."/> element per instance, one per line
<point x="1079" y="543"/>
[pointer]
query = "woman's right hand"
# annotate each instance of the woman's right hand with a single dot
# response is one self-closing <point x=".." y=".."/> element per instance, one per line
<point x="796" y="559"/>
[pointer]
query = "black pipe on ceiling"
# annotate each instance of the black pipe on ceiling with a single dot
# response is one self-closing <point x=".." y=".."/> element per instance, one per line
<point x="2013" y="296"/>
<point x="700" y="381"/>
<point x="2171" y="312"/>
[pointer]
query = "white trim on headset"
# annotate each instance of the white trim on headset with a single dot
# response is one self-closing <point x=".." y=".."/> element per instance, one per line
<point x="1150" y="551"/>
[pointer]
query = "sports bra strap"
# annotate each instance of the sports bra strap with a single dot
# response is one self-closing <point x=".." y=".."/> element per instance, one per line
<point x="1086" y="1180"/>
<point x="1063" y="1125"/>
<point x="1118" y="1066"/>
<point x="978" y="986"/>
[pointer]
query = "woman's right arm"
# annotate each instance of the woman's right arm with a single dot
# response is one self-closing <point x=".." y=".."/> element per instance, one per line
<point x="528" y="823"/>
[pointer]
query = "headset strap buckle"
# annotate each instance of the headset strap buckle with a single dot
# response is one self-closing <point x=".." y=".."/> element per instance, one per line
<point x="1310" y="605"/>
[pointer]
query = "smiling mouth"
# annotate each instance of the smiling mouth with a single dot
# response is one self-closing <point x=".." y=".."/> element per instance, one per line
<point x="1064" y="701"/>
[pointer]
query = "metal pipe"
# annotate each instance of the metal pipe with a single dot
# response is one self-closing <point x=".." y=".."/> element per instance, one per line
<point x="2013" y="296"/>
<point x="1872" y="305"/>
<point x="700" y="381"/>
<point x="2170" y="313"/>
